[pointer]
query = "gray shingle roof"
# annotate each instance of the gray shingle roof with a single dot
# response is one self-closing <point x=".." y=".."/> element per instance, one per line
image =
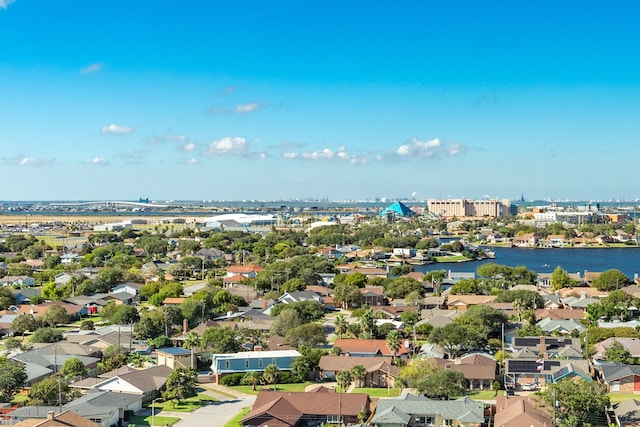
<point x="392" y="410"/>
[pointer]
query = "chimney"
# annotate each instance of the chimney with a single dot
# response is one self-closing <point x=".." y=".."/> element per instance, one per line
<point x="50" y="415"/>
<point x="264" y="305"/>
<point x="257" y="348"/>
<point x="185" y="326"/>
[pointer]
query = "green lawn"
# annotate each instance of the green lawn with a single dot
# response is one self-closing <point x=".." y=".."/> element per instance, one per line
<point x="187" y="405"/>
<point x="378" y="392"/>
<point x="235" y="421"/>
<point x="218" y="391"/>
<point x="485" y="394"/>
<point x="247" y="389"/>
<point x="140" y="421"/>
<point x="619" y="397"/>
<point x="454" y="258"/>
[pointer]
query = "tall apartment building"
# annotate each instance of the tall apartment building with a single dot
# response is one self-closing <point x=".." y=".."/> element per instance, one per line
<point x="463" y="208"/>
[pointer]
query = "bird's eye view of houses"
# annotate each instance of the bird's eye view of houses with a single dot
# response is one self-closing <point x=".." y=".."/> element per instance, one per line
<point x="319" y="213"/>
<point x="401" y="315"/>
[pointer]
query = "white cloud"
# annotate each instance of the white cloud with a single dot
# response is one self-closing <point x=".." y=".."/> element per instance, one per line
<point x="166" y="138"/>
<point x="92" y="68"/>
<point x="97" y="161"/>
<point x="228" y="145"/>
<point x="192" y="161"/>
<point x="340" y="154"/>
<point x="189" y="146"/>
<point x="5" y="3"/>
<point x="246" y="108"/>
<point x="29" y="161"/>
<point x="427" y="149"/>
<point x="116" y="130"/>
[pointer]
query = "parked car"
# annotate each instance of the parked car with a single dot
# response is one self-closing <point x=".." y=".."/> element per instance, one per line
<point x="529" y="386"/>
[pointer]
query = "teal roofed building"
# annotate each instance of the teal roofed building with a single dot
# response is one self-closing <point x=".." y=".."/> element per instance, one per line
<point x="398" y="209"/>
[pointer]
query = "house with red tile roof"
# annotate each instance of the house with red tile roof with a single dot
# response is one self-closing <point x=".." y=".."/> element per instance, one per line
<point x="249" y="271"/>
<point x="370" y="348"/>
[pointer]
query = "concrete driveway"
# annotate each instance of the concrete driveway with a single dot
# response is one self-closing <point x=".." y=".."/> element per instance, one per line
<point x="216" y="414"/>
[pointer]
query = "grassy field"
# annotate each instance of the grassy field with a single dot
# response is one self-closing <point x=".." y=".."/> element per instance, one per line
<point x="247" y="389"/>
<point x="140" y="421"/>
<point x="235" y="421"/>
<point x="378" y="392"/>
<point x="187" y="405"/>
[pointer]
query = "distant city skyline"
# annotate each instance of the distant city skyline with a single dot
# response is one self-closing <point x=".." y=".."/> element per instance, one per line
<point x="287" y="100"/>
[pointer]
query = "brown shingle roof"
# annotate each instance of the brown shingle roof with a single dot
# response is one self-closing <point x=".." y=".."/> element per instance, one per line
<point x="64" y="419"/>
<point x="287" y="408"/>
<point x="515" y="411"/>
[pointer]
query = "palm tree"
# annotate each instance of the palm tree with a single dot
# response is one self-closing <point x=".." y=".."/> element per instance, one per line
<point x="344" y="379"/>
<point x="270" y="375"/>
<point x="191" y="341"/>
<point x="340" y="325"/>
<point x="394" y="342"/>
<point x="367" y="322"/>
<point x="252" y="378"/>
<point x="358" y="373"/>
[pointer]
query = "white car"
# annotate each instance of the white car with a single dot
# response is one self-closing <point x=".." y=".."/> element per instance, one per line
<point x="529" y="387"/>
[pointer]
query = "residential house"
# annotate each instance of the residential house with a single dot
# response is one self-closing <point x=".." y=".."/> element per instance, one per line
<point x="419" y="411"/>
<point x="463" y="302"/>
<point x="627" y="413"/>
<point x="619" y="377"/>
<point x="281" y="409"/>
<point x="147" y="383"/>
<point x="560" y="327"/>
<point x="555" y="241"/>
<point x="42" y="362"/>
<point x="480" y="372"/>
<point x="380" y="371"/>
<point x="70" y="258"/>
<point x="66" y="418"/>
<point x="298" y="296"/>
<point x="128" y="287"/>
<point x="17" y="281"/>
<point x="632" y="345"/>
<point x="173" y="301"/>
<point x="61" y="279"/>
<point x="528" y="240"/>
<point x="370" y="348"/>
<point x="248" y="271"/>
<point x="438" y="317"/>
<point x="224" y="364"/>
<point x="373" y="296"/>
<point x="105" y="409"/>
<point x="518" y="411"/>
<point x="330" y="253"/>
<point x="543" y="371"/>
<point x="547" y="347"/>
<point x="560" y="313"/>
<point x="174" y="357"/>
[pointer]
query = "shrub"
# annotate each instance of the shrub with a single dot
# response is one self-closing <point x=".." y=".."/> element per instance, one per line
<point x="231" y="380"/>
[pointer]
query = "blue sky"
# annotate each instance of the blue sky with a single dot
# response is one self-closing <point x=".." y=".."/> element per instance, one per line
<point x="233" y="100"/>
